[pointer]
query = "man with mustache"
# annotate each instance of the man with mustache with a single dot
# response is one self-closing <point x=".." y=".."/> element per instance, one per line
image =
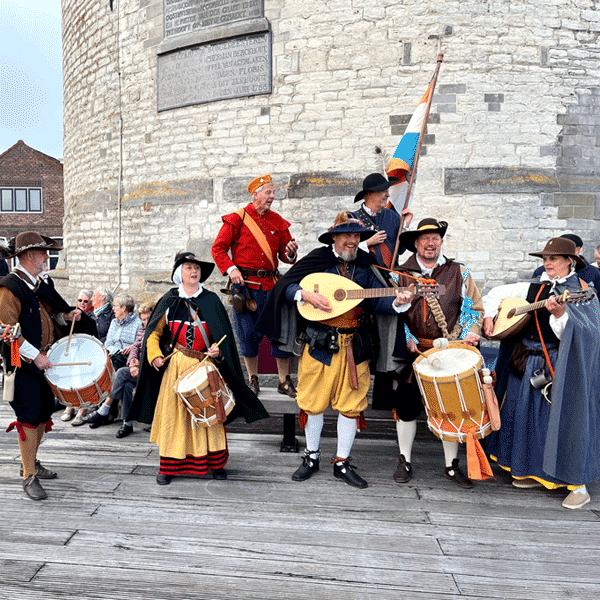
<point x="334" y="363"/>
<point x="457" y="314"/>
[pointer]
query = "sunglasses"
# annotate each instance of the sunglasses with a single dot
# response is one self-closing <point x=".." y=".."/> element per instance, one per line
<point x="84" y="301"/>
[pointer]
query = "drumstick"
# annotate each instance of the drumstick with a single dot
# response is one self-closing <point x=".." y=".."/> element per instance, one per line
<point x="436" y="363"/>
<point x="70" y="364"/>
<point x="70" y="336"/>
<point x="213" y="346"/>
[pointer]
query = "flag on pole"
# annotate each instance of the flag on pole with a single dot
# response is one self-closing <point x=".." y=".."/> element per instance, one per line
<point x="403" y="160"/>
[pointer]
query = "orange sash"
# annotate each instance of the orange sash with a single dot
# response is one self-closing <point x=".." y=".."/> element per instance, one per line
<point x="256" y="231"/>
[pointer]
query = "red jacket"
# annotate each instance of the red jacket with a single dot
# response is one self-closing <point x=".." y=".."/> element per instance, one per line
<point x="236" y="246"/>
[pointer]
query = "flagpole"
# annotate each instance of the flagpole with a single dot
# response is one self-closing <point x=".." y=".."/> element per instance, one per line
<point x="440" y="58"/>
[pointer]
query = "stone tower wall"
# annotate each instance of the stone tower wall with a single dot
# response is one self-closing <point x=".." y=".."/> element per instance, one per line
<point x="510" y="157"/>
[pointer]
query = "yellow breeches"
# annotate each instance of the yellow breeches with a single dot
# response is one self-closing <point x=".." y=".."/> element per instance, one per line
<point x="320" y="385"/>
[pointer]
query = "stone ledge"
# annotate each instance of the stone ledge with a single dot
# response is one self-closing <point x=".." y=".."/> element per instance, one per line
<point x="495" y="180"/>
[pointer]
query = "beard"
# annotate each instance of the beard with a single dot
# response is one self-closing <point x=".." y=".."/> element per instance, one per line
<point x="348" y="255"/>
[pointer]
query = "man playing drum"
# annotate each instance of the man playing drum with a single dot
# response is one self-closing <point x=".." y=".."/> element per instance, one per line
<point x="334" y="365"/>
<point x="34" y="304"/>
<point x="457" y="314"/>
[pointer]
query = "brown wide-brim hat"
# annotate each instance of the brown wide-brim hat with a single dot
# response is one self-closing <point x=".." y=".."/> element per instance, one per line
<point x="375" y="182"/>
<point x="560" y="246"/>
<point x="206" y="268"/>
<point x="28" y="240"/>
<point x="408" y="238"/>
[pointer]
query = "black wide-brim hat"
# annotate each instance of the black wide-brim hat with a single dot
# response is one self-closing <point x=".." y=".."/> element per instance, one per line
<point x="375" y="182"/>
<point x="560" y="246"/>
<point x="28" y="240"/>
<point x="206" y="268"/>
<point x="408" y="238"/>
<point x="350" y="226"/>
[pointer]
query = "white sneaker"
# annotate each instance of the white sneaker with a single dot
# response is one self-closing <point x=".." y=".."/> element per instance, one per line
<point x="576" y="500"/>
<point x="68" y="414"/>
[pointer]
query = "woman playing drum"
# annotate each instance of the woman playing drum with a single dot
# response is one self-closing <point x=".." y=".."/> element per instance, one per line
<point x="550" y="434"/>
<point x="182" y="331"/>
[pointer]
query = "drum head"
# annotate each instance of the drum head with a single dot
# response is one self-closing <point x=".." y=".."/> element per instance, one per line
<point x="452" y="362"/>
<point x="193" y="378"/>
<point x="83" y="348"/>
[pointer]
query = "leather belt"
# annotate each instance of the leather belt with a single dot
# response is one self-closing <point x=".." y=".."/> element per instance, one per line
<point x="260" y="273"/>
<point x="345" y="329"/>
<point x="189" y="352"/>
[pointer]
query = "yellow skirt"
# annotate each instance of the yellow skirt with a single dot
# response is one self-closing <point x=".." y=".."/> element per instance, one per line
<point x="172" y="428"/>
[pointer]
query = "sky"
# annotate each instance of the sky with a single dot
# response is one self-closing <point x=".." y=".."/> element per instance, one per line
<point x="31" y="75"/>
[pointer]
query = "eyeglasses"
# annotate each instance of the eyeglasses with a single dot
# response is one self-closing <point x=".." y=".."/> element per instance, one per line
<point x="83" y="300"/>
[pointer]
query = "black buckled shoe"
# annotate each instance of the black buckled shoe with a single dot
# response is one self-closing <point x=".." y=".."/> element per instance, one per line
<point x="41" y="472"/>
<point x="346" y="473"/>
<point x="163" y="479"/>
<point x="33" y="488"/>
<point x="220" y="474"/>
<point x="458" y="476"/>
<point x="253" y="385"/>
<point x="308" y="467"/>
<point x="403" y="472"/>
<point x="287" y="387"/>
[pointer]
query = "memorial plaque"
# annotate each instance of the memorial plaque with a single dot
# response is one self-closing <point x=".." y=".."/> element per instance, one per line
<point x="182" y="17"/>
<point x="209" y="72"/>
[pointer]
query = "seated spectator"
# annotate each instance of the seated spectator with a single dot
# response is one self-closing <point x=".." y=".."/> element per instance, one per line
<point x="103" y="313"/>
<point x="84" y="301"/>
<point x="588" y="273"/>
<point x="122" y="331"/>
<point x="124" y="381"/>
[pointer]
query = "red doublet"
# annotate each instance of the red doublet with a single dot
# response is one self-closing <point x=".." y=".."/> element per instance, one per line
<point x="245" y="250"/>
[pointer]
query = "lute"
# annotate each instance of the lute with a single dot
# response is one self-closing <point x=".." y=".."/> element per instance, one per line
<point x="344" y="294"/>
<point x="514" y="313"/>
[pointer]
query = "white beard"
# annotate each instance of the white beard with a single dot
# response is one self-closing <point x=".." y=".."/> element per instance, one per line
<point x="349" y="255"/>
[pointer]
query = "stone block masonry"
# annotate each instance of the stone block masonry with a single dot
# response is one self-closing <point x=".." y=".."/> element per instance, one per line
<point x="510" y="153"/>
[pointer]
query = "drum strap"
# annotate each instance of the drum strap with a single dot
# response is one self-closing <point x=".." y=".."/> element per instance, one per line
<point x="198" y="323"/>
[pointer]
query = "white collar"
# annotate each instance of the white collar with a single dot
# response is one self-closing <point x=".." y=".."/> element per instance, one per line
<point x="545" y="277"/>
<point x="428" y="271"/>
<point x="369" y="211"/>
<point x="31" y="280"/>
<point x="183" y="294"/>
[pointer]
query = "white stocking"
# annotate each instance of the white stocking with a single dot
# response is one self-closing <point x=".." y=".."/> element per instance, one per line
<point x="450" y="451"/>
<point x="312" y="431"/>
<point x="346" y="432"/>
<point x="406" y="430"/>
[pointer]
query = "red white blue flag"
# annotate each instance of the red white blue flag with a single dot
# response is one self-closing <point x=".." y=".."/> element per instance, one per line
<point x="401" y="164"/>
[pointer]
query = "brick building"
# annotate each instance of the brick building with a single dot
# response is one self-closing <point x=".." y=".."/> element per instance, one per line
<point x="156" y="147"/>
<point x="31" y="193"/>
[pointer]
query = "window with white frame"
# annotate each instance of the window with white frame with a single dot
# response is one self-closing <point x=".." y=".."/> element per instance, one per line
<point x="20" y="199"/>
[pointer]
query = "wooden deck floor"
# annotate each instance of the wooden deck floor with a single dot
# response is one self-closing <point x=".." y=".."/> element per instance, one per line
<point x="108" y="531"/>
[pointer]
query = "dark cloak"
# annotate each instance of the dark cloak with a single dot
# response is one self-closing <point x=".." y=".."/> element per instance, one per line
<point x="279" y="319"/>
<point x="211" y="310"/>
<point x="572" y="449"/>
